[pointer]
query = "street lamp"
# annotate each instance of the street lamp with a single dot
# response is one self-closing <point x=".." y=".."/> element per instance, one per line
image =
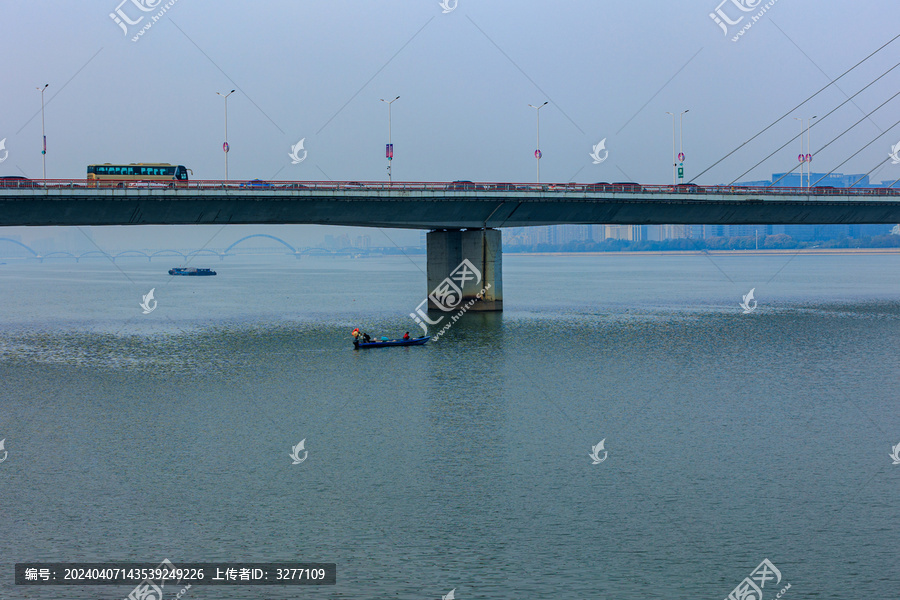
<point x="807" y="157"/>
<point x="43" y="134"/>
<point x="681" y="143"/>
<point x="389" y="149"/>
<point x="537" y="152"/>
<point x="677" y="156"/>
<point x="225" y="146"/>
<point x="808" y="151"/>
<point x="801" y="157"/>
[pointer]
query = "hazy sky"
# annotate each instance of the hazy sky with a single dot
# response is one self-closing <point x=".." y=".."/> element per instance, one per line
<point x="317" y="69"/>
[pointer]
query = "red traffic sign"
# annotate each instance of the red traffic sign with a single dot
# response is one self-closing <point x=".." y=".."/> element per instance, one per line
<point x="801" y="158"/>
<point x="537" y="154"/>
<point x="809" y="158"/>
<point x="225" y="147"/>
<point x="681" y="156"/>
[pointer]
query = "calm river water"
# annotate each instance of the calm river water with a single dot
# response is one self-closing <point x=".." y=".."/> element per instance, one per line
<point x="462" y="465"/>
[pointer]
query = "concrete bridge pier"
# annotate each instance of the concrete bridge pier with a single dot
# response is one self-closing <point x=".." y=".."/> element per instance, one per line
<point x="461" y="263"/>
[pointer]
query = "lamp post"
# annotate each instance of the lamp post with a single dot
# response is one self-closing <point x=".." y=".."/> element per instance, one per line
<point x="807" y="157"/>
<point x="674" y="164"/>
<point x="677" y="155"/>
<point x="225" y="146"/>
<point x="43" y="134"/>
<point x="801" y="157"/>
<point x="537" y="151"/>
<point x="389" y="149"/>
<point x="808" y="151"/>
<point x="681" y="144"/>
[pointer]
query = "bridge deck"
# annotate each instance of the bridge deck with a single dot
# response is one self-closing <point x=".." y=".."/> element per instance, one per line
<point x="436" y="205"/>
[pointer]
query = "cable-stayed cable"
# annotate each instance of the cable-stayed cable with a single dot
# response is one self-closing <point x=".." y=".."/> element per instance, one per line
<point x="816" y="123"/>
<point x="832" y="82"/>
<point x="857" y="152"/>
<point x="870" y="172"/>
<point x="866" y="116"/>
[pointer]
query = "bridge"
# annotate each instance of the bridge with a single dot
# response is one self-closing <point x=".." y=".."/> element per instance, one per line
<point x="456" y="205"/>
<point x="464" y="216"/>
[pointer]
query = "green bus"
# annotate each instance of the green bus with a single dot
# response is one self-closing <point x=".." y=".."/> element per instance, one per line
<point x="136" y="174"/>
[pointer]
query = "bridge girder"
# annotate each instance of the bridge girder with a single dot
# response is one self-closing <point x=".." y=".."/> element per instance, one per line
<point x="433" y="209"/>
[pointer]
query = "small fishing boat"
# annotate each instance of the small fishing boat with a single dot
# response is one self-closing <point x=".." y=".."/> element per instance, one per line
<point x="384" y="343"/>
<point x="191" y="271"/>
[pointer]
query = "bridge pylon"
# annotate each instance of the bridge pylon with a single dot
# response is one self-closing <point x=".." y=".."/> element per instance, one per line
<point x="447" y="270"/>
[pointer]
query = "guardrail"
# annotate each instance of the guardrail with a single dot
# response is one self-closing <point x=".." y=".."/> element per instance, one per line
<point x="456" y="186"/>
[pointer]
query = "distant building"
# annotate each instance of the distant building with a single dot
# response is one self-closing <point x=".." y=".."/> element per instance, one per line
<point x="337" y="243"/>
<point x="572" y="233"/>
<point x="824" y="180"/>
<point x="631" y="233"/>
<point x="539" y="235"/>
<point x="804" y="232"/>
<point x="658" y="233"/>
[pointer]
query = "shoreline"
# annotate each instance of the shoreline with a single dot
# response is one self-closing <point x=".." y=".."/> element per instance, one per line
<point x="760" y="252"/>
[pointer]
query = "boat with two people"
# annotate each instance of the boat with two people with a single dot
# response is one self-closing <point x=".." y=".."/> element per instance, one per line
<point x="363" y="340"/>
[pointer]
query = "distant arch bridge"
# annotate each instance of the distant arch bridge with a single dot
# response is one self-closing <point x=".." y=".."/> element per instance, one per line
<point x="170" y="253"/>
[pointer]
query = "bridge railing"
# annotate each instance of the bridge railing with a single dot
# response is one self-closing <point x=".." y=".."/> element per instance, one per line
<point x="443" y="187"/>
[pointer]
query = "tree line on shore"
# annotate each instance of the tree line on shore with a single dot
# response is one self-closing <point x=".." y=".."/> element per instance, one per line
<point x="769" y="242"/>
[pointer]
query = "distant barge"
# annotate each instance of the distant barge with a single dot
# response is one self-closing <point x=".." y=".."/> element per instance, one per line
<point x="191" y="271"/>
